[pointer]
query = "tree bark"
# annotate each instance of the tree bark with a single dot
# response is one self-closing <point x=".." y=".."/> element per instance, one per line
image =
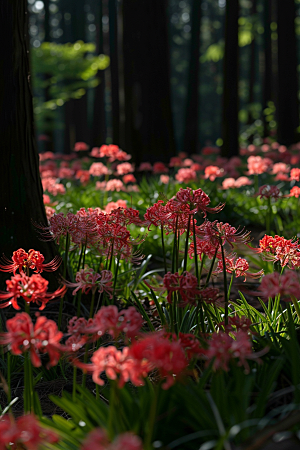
<point x="191" y="132"/>
<point x="268" y="79"/>
<point x="21" y="200"/>
<point x="114" y="70"/>
<point x="230" y="122"/>
<point x="148" y="116"/>
<point x="288" y="105"/>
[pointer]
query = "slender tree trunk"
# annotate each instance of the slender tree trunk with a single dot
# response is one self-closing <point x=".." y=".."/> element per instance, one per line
<point x="149" y="124"/>
<point x="99" y="123"/>
<point x="191" y="132"/>
<point x="252" y="70"/>
<point x="288" y="105"/>
<point x="21" y="200"/>
<point x="114" y="69"/>
<point x="268" y="79"/>
<point x="230" y="122"/>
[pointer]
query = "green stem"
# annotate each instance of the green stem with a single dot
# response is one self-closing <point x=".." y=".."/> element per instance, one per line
<point x="187" y="243"/>
<point x="112" y="410"/>
<point x="64" y="277"/>
<point x="163" y="247"/>
<point x="225" y="285"/>
<point x="74" y="383"/>
<point x="296" y="305"/>
<point x="201" y="265"/>
<point x="9" y="377"/>
<point x="269" y="217"/>
<point x="211" y="268"/>
<point x="92" y="304"/>
<point x="151" y="420"/>
<point x="230" y="285"/>
<point x="116" y="275"/>
<point x="198" y="275"/>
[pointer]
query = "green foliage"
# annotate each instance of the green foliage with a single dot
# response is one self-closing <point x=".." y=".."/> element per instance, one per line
<point x="62" y="72"/>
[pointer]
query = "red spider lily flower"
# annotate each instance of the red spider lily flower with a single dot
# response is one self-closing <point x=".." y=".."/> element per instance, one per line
<point x="219" y="232"/>
<point x="98" y="440"/>
<point x="277" y="248"/>
<point x="222" y="349"/>
<point x="295" y="192"/>
<point x="31" y="260"/>
<point x="43" y="337"/>
<point x="125" y="168"/>
<point x="168" y="357"/>
<point x="242" y="181"/>
<point x="237" y="323"/>
<point x="157" y="215"/>
<point x="145" y="167"/>
<point x="80" y="146"/>
<point x="258" y="165"/>
<point x="26" y="432"/>
<point x="210" y="295"/>
<point x="117" y="365"/>
<point x="180" y="216"/>
<point x="197" y="199"/>
<point x="86" y="280"/>
<point x="126" y="216"/>
<point x="159" y="167"/>
<point x="109" y="320"/>
<point x="98" y="169"/>
<point x="204" y="247"/>
<point x="185" y="175"/>
<point x="295" y="174"/>
<point x="186" y="284"/>
<point x="239" y="266"/>
<point x="268" y="191"/>
<point x="286" y="285"/>
<point x="189" y="343"/>
<point x="212" y="172"/>
<point x="32" y="289"/>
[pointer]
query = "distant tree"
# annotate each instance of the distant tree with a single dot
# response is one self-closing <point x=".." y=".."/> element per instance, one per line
<point x="191" y="132"/>
<point x="21" y="199"/>
<point x="252" y="74"/>
<point x="230" y="122"/>
<point x="288" y="105"/>
<point x="148" y="115"/>
<point x="114" y="69"/>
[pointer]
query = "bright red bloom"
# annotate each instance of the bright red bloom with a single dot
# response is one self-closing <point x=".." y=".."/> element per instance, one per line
<point x="124" y="168"/>
<point x="185" y="175"/>
<point x="212" y="172"/>
<point x="157" y="215"/>
<point x="109" y="320"/>
<point x="43" y="337"/>
<point x="219" y="232"/>
<point x="237" y="323"/>
<point x="98" y="169"/>
<point x="239" y="266"/>
<point x="33" y="260"/>
<point x="198" y="201"/>
<point x="295" y="192"/>
<point x="277" y="248"/>
<point x="159" y="167"/>
<point x="32" y="289"/>
<point x="295" y="174"/>
<point x="186" y="284"/>
<point x="86" y="280"/>
<point x="80" y="146"/>
<point x="258" y="165"/>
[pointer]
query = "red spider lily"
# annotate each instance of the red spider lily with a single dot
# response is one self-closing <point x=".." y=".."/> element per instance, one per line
<point x="185" y="175"/>
<point x="197" y="199"/>
<point x="206" y="248"/>
<point x="180" y="214"/>
<point x="219" y="232"/>
<point x="43" y="337"/>
<point x="258" y="165"/>
<point x="157" y="215"/>
<point x="127" y="216"/>
<point x="239" y="266"/>
<point x="31" y="260"/>
<point x="168" y="357"/>
<point x="117" y="365"/>
<point x="268" y="191"/>
<point x="286" y="285"/>
<point x="109" y="320"/>
<point x="189" y="343"/>
<point x="98" y="440"/>
<point x="222" y="349"/>
<point x="32" y="289"/>
<point x="186" y="284"/>
<point x="210" y="295"/>
<point x="86" y="280"/>
<point x="25" y="432"/>
<point x="295" y="174"/>
<point x="295" y="192"/>
<point x="277" y="248"/>
<point x="237" y="323"/>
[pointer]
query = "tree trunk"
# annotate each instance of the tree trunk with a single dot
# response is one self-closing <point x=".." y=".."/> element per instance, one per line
<point x="288" y="105"/>
<point x="230" y="122"/>
<point x="267" y="81"/>
<point x="21" y="200"/>
<point x="252" y="71"/>
<point x="191" y="132"/>
<point x="99" y="122"/>
<point x="148" y="116"/>
<point x="114" y="70"/>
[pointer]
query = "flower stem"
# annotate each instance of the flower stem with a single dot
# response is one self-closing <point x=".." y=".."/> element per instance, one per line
<point x="198" y="275"/>
<point x="211" y="268"/>
<point x="225" y="285"/>
<point x="187" y="243"/>
<point x="163" y="247"/>
<point x="64" y="277"/>
<point x="296" y="305"/>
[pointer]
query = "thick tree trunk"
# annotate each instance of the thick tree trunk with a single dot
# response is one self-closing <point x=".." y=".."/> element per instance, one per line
<point x="191" y="132"/>
<point x="288" y="105"/>
<point x="230" y="122"/>
<point x="149" y="124"/>
<point x="21" y="200"/>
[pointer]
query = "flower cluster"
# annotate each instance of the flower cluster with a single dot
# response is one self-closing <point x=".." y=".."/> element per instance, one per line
<point x="277" y="248"/>
<point x="98" y="440"/>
